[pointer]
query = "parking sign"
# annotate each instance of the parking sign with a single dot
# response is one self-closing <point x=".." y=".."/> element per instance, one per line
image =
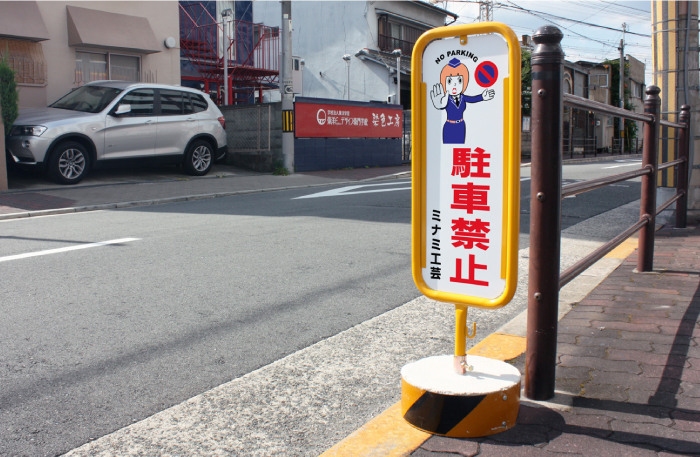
<point x="466" y="163"/>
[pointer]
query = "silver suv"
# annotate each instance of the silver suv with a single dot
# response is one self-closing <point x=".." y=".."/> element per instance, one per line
<point x="113" y="121"/>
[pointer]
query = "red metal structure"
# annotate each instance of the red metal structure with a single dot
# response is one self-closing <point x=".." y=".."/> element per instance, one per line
<point x="252" y="52"/>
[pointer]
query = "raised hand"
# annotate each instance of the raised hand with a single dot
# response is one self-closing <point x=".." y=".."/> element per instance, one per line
<point x="488" y="94"/>
<point x="438" y="96"/>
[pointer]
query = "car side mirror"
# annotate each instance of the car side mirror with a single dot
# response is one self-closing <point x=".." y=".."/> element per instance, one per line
<point x="122" y="109"/>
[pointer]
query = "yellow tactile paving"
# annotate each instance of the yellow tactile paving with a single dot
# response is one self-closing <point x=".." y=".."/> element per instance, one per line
<point x="624" y="250"/>
<point x="499" y="346"/>
<point x="386" y="435"/>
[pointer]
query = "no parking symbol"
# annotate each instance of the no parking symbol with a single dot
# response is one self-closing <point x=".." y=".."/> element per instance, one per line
<point x="486" y="74"/>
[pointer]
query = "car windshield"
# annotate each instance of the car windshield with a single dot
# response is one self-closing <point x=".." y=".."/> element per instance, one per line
<point x="90" y="99"/>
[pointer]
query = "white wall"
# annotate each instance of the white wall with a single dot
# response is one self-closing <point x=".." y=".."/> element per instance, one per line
<point x="322" y="33"/>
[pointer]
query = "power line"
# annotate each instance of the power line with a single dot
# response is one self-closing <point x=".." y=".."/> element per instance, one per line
<point x="519" y="8"/>
<point x="587" y="6"/>
<point x="625" y="6"/>
<point x="516" y="7"/>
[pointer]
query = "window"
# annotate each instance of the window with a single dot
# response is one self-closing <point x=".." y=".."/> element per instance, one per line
<point x="599" y="80"/>
<point x="93" y="66"/>
<point x="395" y="30"/>
<point x="124" y="68"/>
<point x="189" y="109"/>
<point x="141" y="102"/>
<point x="637" y="89"/>
<point x="174" y="103"/>
<point x="90" y="99"/>
<point x="199" y="103"/>
<point x="567" y="85"/>
<point x="90" y="67"/>
<point x="396" y="35"/>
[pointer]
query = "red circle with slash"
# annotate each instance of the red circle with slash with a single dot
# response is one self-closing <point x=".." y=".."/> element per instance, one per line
<point x="486" y="74"/>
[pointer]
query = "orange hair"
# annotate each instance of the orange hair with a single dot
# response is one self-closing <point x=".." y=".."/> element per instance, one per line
<point x="460" y="70"/>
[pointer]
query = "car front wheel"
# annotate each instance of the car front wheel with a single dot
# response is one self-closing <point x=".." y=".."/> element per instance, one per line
<point x="69" y="163"/>
<point x="199" y="158"/>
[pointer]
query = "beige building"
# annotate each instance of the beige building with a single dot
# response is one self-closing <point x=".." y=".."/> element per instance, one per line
<point x="599" y="90"/>
<point x="636" y="87"/>
<point x="56" y="46"/>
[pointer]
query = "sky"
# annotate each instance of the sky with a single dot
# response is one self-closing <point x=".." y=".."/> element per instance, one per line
<point x="586" y="25"/>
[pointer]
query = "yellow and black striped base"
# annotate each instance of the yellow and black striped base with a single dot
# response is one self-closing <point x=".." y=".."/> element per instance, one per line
<point x="438" y="401"/>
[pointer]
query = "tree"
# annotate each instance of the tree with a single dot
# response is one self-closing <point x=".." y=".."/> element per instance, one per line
<point x="9" y="97"/>
<point x="630" y="125"/>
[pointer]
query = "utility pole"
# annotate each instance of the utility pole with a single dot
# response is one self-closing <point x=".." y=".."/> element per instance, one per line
<point x="397" y="53"/>
<point x="486" y="11"/>
<point x="226" y="16"/>
<point x="286" y="88"/>
<point x="622" y="86"/>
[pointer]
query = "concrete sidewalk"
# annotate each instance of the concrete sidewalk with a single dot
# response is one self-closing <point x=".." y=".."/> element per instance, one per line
<point x="628" y="373"/>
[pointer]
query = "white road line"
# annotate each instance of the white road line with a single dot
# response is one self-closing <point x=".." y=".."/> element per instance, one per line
<point x="348" y="190"/>
<point x="66" y="249"/>
<point x="625" y="164"/>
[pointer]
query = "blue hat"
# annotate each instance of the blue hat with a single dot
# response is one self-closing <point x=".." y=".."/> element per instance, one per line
<point x="454" y="63"/>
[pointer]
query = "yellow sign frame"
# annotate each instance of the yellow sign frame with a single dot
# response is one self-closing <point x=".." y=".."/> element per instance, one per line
<point x="511" y="182"/>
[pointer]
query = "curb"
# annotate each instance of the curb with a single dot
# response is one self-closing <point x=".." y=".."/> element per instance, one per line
<point x="160" y="201"/>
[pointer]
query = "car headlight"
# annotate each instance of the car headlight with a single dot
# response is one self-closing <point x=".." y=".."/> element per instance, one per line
<point x="28" y="130"/>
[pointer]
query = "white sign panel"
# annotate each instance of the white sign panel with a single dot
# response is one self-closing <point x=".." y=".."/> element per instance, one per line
<point x="464" y="162"/>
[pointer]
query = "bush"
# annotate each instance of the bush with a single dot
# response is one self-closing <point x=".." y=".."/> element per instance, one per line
<point x="9" y="97"/>
<point x="279" y="169"/>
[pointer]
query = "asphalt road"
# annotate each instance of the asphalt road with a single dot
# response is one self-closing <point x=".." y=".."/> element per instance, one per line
<point x="192" y="295"/>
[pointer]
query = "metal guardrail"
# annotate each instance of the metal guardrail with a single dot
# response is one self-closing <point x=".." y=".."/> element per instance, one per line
<point x="545" y="278"/>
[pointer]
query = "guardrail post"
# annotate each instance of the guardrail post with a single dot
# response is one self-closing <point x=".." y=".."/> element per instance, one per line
<point x="652" y="105"/>
<point x="682" y="176"/>
<point x="545" y="213"/>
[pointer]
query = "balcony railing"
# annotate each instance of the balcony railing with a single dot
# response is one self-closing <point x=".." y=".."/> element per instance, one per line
<point x="388" y="44"/>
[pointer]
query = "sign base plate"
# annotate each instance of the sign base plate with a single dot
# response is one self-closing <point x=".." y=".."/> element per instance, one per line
<point x="437" y="400"/>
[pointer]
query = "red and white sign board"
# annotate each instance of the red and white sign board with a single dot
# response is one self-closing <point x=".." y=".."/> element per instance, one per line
<point x="316" y="120"/>
<point x="467" y="237"/>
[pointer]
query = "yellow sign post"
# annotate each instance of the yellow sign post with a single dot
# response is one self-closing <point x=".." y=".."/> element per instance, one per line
<point x="466" y="211"/>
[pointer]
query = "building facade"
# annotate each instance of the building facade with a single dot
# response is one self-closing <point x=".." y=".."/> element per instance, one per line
<point x="634" y="80"/>
<point x="367" y="33"/>
<point x="56" y="46"/>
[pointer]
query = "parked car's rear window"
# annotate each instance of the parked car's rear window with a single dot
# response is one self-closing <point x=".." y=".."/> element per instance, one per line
<point x="174" y="102"/>
<point x="199" y="103"/>
<point x="89" y="99"/>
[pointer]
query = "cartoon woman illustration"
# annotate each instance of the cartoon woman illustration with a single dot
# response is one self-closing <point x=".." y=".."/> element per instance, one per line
<point x="449" y="95"/>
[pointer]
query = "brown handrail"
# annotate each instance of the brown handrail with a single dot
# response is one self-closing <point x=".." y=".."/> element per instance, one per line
<point x="672" y="163"/>
<point x="581" y="266"/>
<point x="583" y="103"/>
<point x="545" y="277"/>
<point x="675" y="125"/>
<point x="670" y="201"/>
<point x="585" y="186"/>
